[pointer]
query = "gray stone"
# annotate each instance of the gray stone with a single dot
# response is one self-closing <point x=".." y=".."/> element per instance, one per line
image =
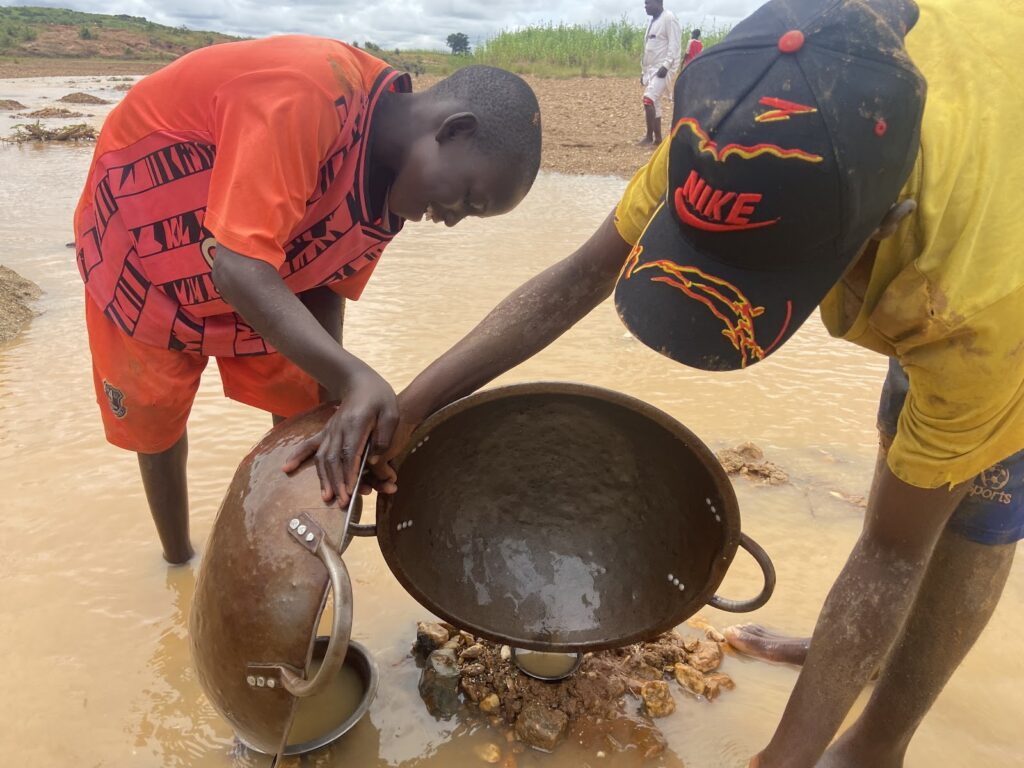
<point x="439" y="684"/>
<point x="540" y="726"/>
<point x="429" y="637"/>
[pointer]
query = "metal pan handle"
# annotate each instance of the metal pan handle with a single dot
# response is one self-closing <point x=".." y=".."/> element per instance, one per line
<point x="341" y="628"/>
<point x="767" y="569"/>
<point x="354" y="529"/>
<point x="367" y="530"/>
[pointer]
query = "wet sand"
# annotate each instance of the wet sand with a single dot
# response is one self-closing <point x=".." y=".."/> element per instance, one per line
<point x="17" y="296"/>
<point x="93" y="625"/>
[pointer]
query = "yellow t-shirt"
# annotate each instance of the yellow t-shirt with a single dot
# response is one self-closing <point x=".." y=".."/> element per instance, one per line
<point x="946" y="293"/>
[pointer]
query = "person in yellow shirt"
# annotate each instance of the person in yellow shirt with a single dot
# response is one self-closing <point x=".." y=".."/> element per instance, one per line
<point x="803" y="169"/>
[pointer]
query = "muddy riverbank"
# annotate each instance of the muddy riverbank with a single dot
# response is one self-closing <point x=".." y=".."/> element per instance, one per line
<point x="17" y="296"/>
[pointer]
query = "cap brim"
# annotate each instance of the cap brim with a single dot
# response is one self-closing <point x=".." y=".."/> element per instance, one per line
<point x="708" y="315"/>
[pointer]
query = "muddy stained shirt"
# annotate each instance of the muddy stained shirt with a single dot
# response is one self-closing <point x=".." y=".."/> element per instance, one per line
<point x="946" y="294"/>
<point x="259" y="146"/>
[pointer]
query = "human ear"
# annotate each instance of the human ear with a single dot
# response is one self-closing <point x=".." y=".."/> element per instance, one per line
<point x="462" y="124"/>
<point x="894" y="218"/>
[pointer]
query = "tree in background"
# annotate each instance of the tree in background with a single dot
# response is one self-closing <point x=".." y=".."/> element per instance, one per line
<point x="459" y="43"/>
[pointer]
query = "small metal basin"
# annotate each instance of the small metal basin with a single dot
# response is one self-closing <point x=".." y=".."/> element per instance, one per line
<point x="314" y="724"/>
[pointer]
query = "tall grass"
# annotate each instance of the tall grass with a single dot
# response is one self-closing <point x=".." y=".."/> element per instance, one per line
<point x="566" y="50"/>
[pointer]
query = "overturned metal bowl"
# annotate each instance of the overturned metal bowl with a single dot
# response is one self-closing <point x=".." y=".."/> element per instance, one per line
<point x="562" y="517"/>
<point x="272" y="562"/>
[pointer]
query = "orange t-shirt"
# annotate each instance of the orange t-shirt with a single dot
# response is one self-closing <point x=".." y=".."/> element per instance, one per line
<point x="258" y="145"/>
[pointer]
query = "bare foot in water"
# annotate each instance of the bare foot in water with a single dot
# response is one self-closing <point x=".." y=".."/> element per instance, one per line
<point x="754" y="640"/>
<point x="846" y="753"/>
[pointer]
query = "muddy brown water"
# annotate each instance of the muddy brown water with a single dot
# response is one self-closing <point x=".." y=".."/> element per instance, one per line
<point x="93" y="633"/>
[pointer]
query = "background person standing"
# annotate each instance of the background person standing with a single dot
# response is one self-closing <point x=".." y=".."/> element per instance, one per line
<point x="693" y="48"/>
<point x="659" y="65"/>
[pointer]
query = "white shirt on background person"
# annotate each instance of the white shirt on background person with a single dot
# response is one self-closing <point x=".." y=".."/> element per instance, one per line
<point x="662" y="46"/>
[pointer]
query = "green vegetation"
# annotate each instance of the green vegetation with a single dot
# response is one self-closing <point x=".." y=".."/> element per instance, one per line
<point x="551" y="50"/>
<point x="564" y="50"/>
<point x="459" y="44"/>
<point x="20" y="25"/>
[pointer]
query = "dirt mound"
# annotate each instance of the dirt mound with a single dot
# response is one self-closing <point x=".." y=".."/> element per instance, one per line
<point x="11" y="104"/>
<point x="16" y="294"/>
<point x="82" y="98"/>
<point x="609" y="704"/>
<point x="39" y="132"/>
<point x="55" y="112"/>
<point x="748" y="459"/>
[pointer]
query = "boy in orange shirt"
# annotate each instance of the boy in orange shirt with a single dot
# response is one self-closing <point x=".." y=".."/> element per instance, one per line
<point x="235" y="199"/>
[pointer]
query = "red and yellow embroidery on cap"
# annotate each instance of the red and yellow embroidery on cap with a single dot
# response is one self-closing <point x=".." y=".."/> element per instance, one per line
<point x="707" y="146"/>
<point x="726" y="302"/>
<point x="781" y="110"/>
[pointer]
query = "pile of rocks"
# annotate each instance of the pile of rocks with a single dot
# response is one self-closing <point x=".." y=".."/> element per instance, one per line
<point x="747" y="459"/>
<point x="609" y="703"/>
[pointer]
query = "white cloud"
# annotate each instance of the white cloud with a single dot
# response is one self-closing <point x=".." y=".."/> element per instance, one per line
<point x="396" y="23"/>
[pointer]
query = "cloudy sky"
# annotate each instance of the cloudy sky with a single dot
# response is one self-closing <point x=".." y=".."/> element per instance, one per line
<point x="395" y="23"/>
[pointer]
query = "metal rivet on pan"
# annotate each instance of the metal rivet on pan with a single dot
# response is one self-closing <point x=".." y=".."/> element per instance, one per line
<point x="294" y="523"/>
<point x="271" y="683"/>
<point x="409" y="524"/>
<point x="250" y="680"/>
<point x="682" y="587"/>
<point x="260" y="682"/>
<point x="713" y="508"/>
<point x="670" y="578"/>
<point x="302" y="530"/>
<point x="310" y="537"/>
<point x="708" y="501"/>
<point x="425" y="439"/>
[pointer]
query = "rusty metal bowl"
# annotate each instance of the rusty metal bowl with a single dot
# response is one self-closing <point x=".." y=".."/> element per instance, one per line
<point x="562" y="517"/>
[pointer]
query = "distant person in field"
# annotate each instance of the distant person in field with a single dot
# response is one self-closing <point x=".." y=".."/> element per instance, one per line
<point x="660" y="64"/>
<point x="236" y="198"/>
<point x="693" y="48"/>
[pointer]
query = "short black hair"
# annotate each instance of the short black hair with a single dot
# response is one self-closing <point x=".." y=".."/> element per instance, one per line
<point x="508" y="114"/>
<point x="695" y="34"/>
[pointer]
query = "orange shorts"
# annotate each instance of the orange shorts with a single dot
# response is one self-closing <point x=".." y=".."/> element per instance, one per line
<point x="145" y="393"/>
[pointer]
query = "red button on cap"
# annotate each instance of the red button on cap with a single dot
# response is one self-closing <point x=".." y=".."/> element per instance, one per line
<point x="792" y="41"/>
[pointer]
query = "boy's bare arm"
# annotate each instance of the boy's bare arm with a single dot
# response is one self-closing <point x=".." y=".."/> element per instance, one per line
<point x="523" y="324"/>
<point x="329" y="310"/>
<point x="370" y="410"/>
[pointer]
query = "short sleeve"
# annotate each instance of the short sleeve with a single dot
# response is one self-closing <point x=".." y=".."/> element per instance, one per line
<point x="272" y="132"/>
<point x="965" y="409"/>
<point x="643" y="196"/>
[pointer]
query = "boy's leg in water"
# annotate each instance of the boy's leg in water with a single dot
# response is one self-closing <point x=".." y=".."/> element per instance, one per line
<point x="961" y="589"/>
<point x="761" y="642"/>
<point x="164" y="478"/>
